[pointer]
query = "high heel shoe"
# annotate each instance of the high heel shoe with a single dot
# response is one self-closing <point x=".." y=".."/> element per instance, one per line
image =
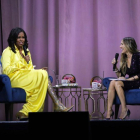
<point x="21" y="116"/>
<point x="58" y="106"/>
<point x="112" y="114"/>
<point x="127" y="114"/>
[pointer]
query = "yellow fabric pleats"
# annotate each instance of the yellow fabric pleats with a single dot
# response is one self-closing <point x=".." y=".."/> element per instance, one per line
<point x="23" y="75"/>
<point x="35" y="84"/>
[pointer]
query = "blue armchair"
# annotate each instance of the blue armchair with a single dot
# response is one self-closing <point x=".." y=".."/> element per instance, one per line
<point x="9" y="95"/>
<point x="132" y="96"/>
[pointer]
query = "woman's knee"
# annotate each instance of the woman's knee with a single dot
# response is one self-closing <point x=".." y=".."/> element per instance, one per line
<point x="112" y="83"/>
<point x="118" y="84"/>
<point x="44" y="73"/>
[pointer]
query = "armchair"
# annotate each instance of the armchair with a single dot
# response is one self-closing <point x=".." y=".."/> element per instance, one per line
<point x="9" y="95"/>
<point x="132" y="96"/>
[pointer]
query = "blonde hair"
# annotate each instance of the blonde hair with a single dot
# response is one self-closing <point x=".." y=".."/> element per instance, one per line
<point x="131" y="46"/>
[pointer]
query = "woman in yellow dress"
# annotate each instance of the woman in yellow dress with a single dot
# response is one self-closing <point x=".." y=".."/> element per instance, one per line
<point x="17" y="64"/>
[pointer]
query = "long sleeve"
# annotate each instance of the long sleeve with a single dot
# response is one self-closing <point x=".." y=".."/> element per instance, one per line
<point x="12" y="62"/>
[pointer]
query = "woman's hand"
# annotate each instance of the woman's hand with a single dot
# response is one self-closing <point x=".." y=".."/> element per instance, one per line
<point x="27" y="58"/>
<point x="45" y="68"/>
<point x="114" y="61"/>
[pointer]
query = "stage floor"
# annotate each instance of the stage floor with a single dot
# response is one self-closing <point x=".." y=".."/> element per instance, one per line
<point x="115" y="129"/>
<point x="108" y="129"/>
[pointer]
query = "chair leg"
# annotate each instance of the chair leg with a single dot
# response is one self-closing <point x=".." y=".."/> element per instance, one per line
<point x="9" y="111"/>
<point x="116" y="111"/>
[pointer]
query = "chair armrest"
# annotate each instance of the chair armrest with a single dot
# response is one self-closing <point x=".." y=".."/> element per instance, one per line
<point x="106" y="82"/>
<point x="5" y="88"/>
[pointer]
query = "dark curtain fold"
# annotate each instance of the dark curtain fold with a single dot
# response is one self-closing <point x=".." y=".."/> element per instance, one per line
<point x="10" y="18"/>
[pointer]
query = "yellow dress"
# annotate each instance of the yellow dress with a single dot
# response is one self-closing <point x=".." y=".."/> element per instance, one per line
<point x="23" y="75"/>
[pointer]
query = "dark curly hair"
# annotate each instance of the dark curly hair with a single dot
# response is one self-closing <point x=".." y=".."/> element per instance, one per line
<point x="13" y="38"/>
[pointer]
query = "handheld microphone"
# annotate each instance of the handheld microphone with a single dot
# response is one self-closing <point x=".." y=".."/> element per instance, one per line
<point x="25" y="51"/>
<point x="116" y="58"/>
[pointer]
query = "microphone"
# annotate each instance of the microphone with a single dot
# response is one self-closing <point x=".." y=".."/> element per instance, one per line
<point x="25" y="51"/>
<point x="116" y="57"/>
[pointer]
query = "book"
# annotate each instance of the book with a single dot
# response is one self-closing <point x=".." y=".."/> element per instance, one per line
<point x="117" y="79"/>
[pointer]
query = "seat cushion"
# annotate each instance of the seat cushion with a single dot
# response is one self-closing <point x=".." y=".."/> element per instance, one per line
<point x="132" y="97"/>
<point x="18" y="95"/>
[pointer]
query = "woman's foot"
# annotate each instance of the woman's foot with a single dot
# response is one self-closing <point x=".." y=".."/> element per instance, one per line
<point x="124" y="114"/>
<point x="21" y="116"/>
<point x="59" y="107"/>
<point x="110" y="114"/>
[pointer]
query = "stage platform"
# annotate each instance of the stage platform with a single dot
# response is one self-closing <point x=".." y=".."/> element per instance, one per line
<point x="115" y="129"/>
<point x="108" y="129"/>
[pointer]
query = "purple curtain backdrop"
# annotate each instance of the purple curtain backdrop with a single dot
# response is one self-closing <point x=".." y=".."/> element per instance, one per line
<point x="79" y="37"/>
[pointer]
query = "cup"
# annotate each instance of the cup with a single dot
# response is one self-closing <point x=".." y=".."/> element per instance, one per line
<point x="96" y="85"/>
<point x="64" y="81"/>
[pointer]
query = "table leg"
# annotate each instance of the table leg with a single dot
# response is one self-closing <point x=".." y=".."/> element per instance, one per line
<point x="98" y="104"/>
